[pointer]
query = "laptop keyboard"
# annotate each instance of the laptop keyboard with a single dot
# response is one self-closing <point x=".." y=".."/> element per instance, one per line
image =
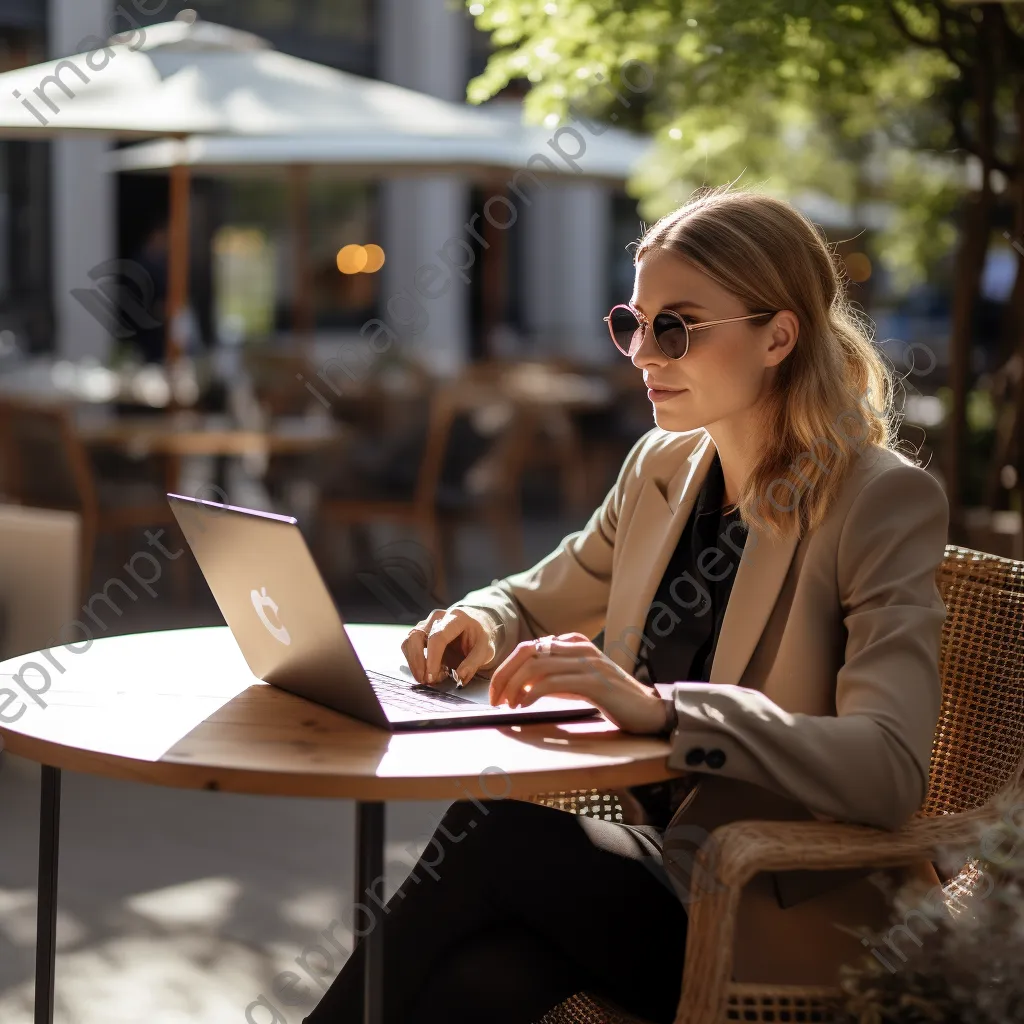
<point x="399" y="694"/>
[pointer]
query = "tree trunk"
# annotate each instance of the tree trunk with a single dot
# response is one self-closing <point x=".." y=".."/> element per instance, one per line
<point x="970" y="261"/>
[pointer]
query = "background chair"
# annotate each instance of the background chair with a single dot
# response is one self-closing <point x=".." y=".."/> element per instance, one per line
<point x="47" y="466"/>
<point x="608" y="434"/>
<point x="977" y="753"/>
<point x="39" y="578"/>
<point x="439" y="458"/>
<point x="579" y="423"/>
<point x="278" y="380"/>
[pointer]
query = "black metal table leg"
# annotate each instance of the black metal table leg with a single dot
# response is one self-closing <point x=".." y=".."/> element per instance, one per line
<point x="369" y="875"/>
<point x="46" y="910"/>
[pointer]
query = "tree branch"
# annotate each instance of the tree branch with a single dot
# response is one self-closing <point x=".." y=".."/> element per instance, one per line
<point x="945" y="19"/>
<point x="944" y="43"/>
<point x="973" y="146"/>
<point x="905" y="30"/>
<point x="954" y="13"/>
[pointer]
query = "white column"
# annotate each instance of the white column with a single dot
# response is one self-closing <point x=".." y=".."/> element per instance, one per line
<point x="82" y="192"/>
<point x="541" y="269"/>
<point x="424" y="46"/>
<point x="565" y="272"/>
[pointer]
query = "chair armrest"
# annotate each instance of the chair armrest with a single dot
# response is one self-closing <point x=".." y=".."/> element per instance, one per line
<point x="742" y="849"/>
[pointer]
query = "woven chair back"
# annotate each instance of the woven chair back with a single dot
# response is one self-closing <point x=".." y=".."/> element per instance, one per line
<point x="979" y="742"/>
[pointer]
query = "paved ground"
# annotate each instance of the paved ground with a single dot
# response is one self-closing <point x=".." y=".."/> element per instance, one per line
<point x="183" y="907"/>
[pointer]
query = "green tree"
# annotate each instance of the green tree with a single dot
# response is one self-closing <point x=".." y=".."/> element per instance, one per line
<point x="875" y="100"/>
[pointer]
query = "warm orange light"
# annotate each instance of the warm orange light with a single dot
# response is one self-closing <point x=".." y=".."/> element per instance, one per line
<point x="374" y="259"/>
<point x="352" y="259"/>
<point x="858" y="266"/>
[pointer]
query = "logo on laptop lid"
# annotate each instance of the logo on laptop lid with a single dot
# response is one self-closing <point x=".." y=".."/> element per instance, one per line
<point x="261" y="601"/>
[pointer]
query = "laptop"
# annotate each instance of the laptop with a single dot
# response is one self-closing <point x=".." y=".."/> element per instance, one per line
<point x="275" y="602"/>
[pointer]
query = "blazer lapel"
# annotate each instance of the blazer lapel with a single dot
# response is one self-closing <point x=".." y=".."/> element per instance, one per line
<point x="759" y="577"/>
<point x="655" y="526"/>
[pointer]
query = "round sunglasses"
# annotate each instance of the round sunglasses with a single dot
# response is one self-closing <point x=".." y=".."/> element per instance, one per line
<point x="671" y="331"/>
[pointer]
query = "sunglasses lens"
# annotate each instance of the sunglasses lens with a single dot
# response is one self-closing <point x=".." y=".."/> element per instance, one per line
<point x="671" y="335"/>
<point x="625" y="329"/>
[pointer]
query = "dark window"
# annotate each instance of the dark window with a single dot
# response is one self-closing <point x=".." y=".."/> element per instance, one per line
<point x="23" y="14"/>
<point x="626" y="228"/>
<point x="25" y="306"/>
<point x="339" y="33"/>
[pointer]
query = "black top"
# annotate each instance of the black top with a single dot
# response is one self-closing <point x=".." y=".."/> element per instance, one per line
<point x="685" y="616"/>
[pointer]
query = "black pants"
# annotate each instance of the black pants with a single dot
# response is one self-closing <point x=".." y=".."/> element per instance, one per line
<point x="514" y="907"/>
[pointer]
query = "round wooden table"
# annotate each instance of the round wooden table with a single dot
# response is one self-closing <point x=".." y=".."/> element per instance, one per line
<point x="181" y="708"/>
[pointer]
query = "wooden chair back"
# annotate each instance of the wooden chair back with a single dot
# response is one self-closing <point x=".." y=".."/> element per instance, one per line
<point x="979" y="742"/>
<point x="448" y="402"/>
<point x="47" y="465"/>
<point x="440" y="419"/>
<point x="279" y="380"/>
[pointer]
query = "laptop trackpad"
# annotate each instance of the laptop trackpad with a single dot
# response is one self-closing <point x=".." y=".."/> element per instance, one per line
<point x="478" y="691"/>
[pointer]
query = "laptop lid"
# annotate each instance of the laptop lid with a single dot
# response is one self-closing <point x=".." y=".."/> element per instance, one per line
<point x="276" y="604"/>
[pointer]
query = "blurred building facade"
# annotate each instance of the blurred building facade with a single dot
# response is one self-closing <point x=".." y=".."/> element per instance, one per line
<point x="540" y="288"/>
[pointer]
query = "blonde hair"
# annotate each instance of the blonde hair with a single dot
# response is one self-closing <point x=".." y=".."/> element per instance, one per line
<point x="833" y="391"/>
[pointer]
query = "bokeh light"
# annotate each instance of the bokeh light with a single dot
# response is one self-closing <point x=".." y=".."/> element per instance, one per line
<point x="374" y="258"/>
<point x="352" y="259"/>
<point x="858" y="266"/>
<point x="360" y="259"/>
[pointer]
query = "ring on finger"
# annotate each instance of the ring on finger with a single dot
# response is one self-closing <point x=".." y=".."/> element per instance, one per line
<point x="542" y="645"/>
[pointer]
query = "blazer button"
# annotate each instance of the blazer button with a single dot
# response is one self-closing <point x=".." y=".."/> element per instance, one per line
<point x="695" y="755"/>
<point x="715" y="758"/>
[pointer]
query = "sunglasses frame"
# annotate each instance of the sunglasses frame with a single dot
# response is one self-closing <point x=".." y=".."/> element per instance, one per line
<point x="687" y="328"/>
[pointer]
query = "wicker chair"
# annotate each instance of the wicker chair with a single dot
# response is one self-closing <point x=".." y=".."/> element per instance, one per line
<point x="977" y="753"/>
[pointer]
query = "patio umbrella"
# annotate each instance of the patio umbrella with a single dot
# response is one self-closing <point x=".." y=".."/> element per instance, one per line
<point x="612" y="156"/>
<point x="498" y="160"/>
<point x="188" y="76"/>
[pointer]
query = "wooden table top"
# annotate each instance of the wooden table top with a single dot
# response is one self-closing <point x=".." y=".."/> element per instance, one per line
<point x="188" y="435"/>
<point x="181" y="708"/>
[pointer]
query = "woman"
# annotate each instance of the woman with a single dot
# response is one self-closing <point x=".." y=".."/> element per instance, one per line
<point x="765" y="549"/>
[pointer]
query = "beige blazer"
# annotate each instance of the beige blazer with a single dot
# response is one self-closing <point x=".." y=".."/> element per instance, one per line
<point x="824" y="691"/>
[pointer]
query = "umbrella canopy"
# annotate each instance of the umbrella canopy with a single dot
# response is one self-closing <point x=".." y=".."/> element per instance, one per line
<point x="391" y="153"/>
<point x="185" y="77"/>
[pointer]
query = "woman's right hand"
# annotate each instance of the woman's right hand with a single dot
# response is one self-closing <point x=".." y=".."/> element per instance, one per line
<point x="464" y="632"/>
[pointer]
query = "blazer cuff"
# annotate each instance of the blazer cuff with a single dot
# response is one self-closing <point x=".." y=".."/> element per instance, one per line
<point x="671" y="716"/>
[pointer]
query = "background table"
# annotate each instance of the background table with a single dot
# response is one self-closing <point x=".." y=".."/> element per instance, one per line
<point x="181" y="708"/>
<point x="189" y="434"/>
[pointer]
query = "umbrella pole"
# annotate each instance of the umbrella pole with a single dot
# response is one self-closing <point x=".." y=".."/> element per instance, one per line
<point x="177" y="261"/>
<point x="494" y="270"/>
<point x="302" y="306"/>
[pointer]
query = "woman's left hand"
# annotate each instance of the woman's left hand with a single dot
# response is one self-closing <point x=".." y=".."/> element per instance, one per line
<point x="570" y="665"/>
